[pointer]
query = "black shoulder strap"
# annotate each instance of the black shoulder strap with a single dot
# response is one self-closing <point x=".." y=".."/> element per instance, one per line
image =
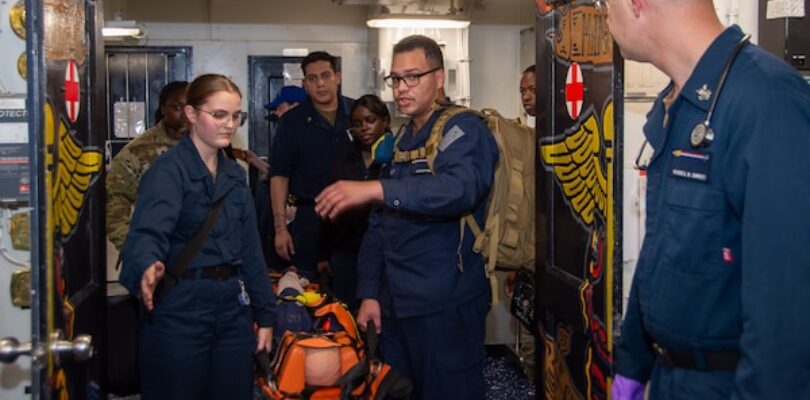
<point x="174" y="271"/>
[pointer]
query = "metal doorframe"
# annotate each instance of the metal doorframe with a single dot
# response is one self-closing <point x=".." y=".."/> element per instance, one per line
<point x="254" y="111"/>
<point x="34" y="10"/>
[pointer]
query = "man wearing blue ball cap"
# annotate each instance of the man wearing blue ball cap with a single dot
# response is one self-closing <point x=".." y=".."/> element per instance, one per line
<point x="287" y="98"/>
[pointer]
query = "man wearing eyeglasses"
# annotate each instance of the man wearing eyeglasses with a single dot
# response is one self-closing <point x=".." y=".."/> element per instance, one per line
<point x="420" y="281"/>
<point x="303" y="155"/>
<point x="129" y="165"/>
<point x="718" y="305"/>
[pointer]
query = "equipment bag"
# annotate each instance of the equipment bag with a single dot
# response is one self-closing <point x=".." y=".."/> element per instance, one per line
<point x="327" y="366"/>
<point x="507" y="238"/>
<point x="334" y="316"/>
<point x="329" y="363"/>
<point x="313" y="366"/>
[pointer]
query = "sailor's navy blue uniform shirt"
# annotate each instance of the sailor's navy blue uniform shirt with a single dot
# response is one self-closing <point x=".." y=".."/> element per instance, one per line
<point x="173" y="200"/>
<point x="725" y="264"/>
<point x="412" y="242"/>
<point x="306" y="145"/>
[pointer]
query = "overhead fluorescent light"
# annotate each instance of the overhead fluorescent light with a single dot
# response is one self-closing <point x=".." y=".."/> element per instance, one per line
<point x="295" y="52"/>
<point x="123" y="29"/>
<point x="418" y="21"/>
<point x="115" y="32"/>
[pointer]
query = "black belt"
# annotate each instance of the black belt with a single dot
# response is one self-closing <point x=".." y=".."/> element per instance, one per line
<point x="697" y="359"/>
<point x="299" y="202"/>
<point x="219" y="272"/>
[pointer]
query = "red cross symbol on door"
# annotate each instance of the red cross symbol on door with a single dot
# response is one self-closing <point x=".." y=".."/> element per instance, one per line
<point x="574" y="90"/>
<point x="72" y="91"/>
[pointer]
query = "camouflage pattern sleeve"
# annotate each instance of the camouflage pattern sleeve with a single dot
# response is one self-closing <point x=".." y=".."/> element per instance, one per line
<point x="122" y="191"/>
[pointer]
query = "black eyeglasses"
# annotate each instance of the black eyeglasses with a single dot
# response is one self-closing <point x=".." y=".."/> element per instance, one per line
<point x="410" y="80"/>
<point x="222" y="116"/>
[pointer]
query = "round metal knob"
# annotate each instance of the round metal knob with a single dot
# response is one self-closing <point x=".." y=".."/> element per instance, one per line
<point x="10" y="349"/>
<point x="81" y="348"/>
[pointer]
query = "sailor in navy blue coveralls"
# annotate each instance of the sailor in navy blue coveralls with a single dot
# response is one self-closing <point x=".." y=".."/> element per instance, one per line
<point x="198" y="339"/>
<point x="433" y="290"/>
<point x="419" y="278"/>
<point x="304" y="151"/>
<point x="718" y="306"/>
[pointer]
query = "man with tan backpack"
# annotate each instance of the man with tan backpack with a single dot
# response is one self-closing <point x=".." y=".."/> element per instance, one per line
<point x="419" y="277"/>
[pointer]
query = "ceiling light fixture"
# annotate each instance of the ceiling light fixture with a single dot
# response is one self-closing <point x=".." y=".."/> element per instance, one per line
<point x="416" y="21"/>
<point x="123" y="29"/>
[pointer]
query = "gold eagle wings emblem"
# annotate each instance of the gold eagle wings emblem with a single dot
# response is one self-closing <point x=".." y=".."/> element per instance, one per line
<point x="75" y="171"/>
<point x="577" y="163"/>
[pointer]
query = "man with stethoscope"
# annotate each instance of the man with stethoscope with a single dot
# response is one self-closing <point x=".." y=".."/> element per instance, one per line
<point x="718" y="306"/>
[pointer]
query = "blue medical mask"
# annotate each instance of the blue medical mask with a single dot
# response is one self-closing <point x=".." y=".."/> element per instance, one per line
<point x="382" y="151"/>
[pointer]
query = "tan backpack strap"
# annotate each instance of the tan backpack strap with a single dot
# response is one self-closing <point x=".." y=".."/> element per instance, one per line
<point x="425" y="152"/>
<point x="407" y="156"/>
<point x="470" y="220"/>
<point x="494" y="240"/>
<point x="493" y="287"/>
<point x="489" y="267"/>
<point x="460" y="242"/>
<point x="429" y="150"/>
<point x="400" y="156"/>
<point x="437" y="132"/>
<point x="493" y="225"/>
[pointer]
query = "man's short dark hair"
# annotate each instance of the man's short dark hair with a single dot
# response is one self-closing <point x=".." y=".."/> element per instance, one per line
<point x="528" y="69"/>
<point x="316" y="56"/>
<point x="433" y="53"/>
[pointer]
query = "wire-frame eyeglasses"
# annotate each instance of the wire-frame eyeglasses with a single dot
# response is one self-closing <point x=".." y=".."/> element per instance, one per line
<point x="222" y="116"/>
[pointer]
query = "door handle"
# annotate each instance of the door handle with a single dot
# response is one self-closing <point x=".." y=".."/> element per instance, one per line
<point x="11" y="349"/>
<point x="81" y="348"/>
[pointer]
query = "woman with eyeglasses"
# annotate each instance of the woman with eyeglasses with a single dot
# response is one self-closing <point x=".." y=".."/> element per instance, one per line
<point x="340" y="239"/>
<point x="197" y="340"/>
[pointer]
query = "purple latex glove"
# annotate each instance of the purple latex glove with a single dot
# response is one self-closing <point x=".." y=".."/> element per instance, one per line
<point x="626" y="389"/>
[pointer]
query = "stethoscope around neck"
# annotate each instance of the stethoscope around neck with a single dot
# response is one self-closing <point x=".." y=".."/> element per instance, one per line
<point x="702" y="134"/>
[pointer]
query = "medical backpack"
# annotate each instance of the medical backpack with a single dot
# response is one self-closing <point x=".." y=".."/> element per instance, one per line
<point x="330" y="362"/>
<point x="507" y="238"/>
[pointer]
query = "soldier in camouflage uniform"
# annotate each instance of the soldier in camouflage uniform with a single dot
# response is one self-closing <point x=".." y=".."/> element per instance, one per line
<point x="134" y="159"/>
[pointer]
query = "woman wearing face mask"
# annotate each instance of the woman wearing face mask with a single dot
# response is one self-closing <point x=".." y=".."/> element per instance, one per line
<point x="340" y="239"/>
<point x="198" y="341"/>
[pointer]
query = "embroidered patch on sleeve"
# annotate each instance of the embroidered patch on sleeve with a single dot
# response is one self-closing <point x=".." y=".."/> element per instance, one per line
<point x="455" y="133"/>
